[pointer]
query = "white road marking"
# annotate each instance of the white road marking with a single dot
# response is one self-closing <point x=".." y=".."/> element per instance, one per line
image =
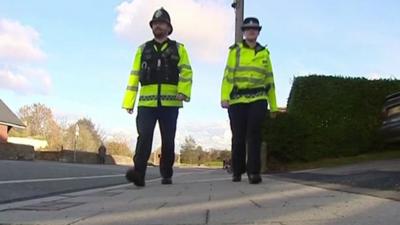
<point x="58" y="179"/>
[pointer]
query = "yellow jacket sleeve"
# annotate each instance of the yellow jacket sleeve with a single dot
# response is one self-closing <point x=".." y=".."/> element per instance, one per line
<point x="269" y="80"/>
<point x="185" y="73"/>
<point x="227" y="81"/>
<point x="133" y="82"/>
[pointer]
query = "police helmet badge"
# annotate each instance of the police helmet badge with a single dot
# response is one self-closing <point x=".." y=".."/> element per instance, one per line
<point x="158" y="13"/>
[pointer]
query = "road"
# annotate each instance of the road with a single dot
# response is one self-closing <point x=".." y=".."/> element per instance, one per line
<point x="211" y="198"/>
<point x="21" y="180"/>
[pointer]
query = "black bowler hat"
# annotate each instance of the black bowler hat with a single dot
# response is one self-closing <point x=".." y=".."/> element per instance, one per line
<point x="251" y="22"/>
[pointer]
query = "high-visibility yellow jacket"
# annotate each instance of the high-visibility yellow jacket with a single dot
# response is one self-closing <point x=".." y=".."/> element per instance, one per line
<point x="162" y="74"/>
<point x="248" y="76"/>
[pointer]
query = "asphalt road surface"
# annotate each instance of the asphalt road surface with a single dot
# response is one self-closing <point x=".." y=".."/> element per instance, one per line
<point x="21" y="180"/>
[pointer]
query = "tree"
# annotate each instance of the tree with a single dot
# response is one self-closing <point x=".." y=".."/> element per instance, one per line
<point x="224" y="155"/>
<point x="189" y="144"/>
<point x="213" y="154"/>
<point x="36" y="117"/>
<point x="88" y="138"/>
<point x="54" y="136"/>
<point x="40" y="123"/>
<point x="118" y="145"/>
<point x="192" y="153"/>
<point x="202" y="156"/>
<point x="188" y="154"/>
<point x="118" y="148"/>
<point x="219" y="155"/>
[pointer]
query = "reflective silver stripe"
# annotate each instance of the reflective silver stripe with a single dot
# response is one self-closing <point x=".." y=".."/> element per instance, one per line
<point x="237" y="56"/>
<point x="250" y="80"/>
<point x="184" y="66"/>
<point x="251" y="68"/>
<point x="135" y="72"/>
<point x="168" y="97"/>
<point x="163" y="47"/>
<point x="132" y="88"/>
<point x="230" y="69"/>
<point x="182" y="79"/>
<point x="229" y="80"/>
<point x="258" y="94"/>
<point x="154" y="97"/>
<point x="148" y="97"/>
<point x="236" y="63"/>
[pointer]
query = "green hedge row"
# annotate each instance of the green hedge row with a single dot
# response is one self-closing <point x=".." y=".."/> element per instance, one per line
<point x="328" y="116"/>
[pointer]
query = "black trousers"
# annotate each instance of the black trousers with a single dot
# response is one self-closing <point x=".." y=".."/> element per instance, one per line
<point x="145" y="122"/>
<point x="246" y="122"/>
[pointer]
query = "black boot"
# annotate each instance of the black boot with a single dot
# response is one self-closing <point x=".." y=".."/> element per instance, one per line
<point x="236" y="178"/>
<point x="254" y="178"/>
<point x="166" y="181"/>
<point x="134" y="177"/>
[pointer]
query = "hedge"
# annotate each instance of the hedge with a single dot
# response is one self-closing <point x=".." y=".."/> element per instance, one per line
<point x="328" y="116"/>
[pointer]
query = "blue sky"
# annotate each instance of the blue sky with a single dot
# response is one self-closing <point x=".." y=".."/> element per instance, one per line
<point x="75" y="56"/>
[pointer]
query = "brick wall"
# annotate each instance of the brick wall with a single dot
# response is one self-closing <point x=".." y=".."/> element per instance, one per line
<point x="3" y="134"/>
<point x="81" y="157"/>
<point x="9" y="151"/>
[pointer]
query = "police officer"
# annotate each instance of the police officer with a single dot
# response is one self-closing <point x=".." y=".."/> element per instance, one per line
<point x="247" y="88"/>
<point x="162" y="68"/>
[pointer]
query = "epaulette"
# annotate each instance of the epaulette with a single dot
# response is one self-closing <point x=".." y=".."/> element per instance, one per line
<point x="144" y="45"/>
<point x="266" y="48"/>
<point x="234" y="46"/>
<point x="179" y="44"/>
<point x="259" y="47"/>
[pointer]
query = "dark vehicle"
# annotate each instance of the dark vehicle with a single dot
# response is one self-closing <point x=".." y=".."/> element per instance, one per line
<point x="390" y="129"/>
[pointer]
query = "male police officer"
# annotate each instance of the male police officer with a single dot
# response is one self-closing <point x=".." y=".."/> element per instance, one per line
<point x="247" y="87"/>
<point x="162" y="67"/>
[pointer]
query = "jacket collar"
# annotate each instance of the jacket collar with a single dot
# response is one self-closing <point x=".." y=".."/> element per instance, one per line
<point x="258" y="47"/>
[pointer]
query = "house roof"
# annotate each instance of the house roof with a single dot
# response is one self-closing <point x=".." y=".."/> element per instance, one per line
<point x="8" y="118"/>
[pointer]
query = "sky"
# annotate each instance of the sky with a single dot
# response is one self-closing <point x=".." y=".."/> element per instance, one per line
<point x="75" y="56"/>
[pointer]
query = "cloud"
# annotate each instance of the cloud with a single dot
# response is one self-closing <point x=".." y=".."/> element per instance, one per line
<point x="25" y="80"/>
<point x="206" y="27"/>
<point x="18" y="51"/>
<point x="208" y="134"/>
<point x="19" y="42"/>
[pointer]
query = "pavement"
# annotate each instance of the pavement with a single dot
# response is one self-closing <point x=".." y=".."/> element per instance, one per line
<point x="209" y="197"/>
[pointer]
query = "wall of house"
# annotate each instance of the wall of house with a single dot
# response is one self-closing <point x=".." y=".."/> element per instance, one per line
<point x="3" y="133"/>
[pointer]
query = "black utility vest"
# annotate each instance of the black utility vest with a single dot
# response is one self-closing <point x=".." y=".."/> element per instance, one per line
<point x="159" y="67"/>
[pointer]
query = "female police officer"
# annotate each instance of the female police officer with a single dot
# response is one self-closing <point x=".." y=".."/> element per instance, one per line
<point x="247" y="88"/>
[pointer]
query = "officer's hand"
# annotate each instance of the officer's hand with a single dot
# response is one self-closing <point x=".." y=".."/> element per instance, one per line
<point x="180" y="97"/>
<point x="273" y="115"/>
<point x="225" y="104"/>
<point x="130" y="111"/>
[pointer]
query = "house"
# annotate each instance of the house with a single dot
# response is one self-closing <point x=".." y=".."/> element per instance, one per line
<point x="8" y="120"/>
